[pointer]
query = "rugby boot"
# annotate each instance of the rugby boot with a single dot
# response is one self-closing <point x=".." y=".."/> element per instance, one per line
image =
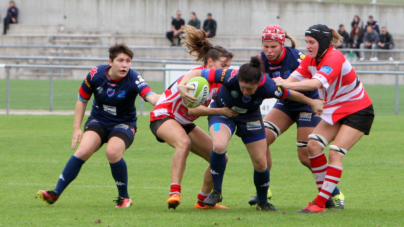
<point x="174" y="200"/>
<point x="213" y="198"/>
<point x="312" y="208"/>
<point x="48" y="196"/>
<point x="122" y="202"/>
<point x="266" y="207"/>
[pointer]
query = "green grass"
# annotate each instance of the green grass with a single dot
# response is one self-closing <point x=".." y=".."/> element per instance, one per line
<point x="34" y="95"/>
<point x="34" y="150"/>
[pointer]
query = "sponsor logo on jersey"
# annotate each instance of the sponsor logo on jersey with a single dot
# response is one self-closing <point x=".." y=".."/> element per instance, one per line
<point x="239" y="110"/>
<point x="110" y="92"/>
<point x="100" y="90"/>
<point x="276" y="74"/>
<point x="87" y="83"/>
<point x="234" y="94"/>
<point x="233" y="73"/>
<point x="257" y="101"/>
<point x="254" y="125"/>
<point x="277" y="67"/>
<point x="110" y="109"/>
<point x="279" y="92"/>
<point x="246" y="99"/>
<point x="305" y="116"/>
<point x="326" y="69"/>
<point x="286" y="73"/>
<point x="140" y="78"/>
<point x="121" y="94"/>
<point x="112" y="85"/>
<point x="223" y="74"/>
<point x="302" y="56"/>
<point x="93" y="72"/>
<point x="124" y="126"/>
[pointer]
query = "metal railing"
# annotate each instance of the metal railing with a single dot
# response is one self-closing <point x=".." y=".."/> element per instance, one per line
<point x="142" y="69"/>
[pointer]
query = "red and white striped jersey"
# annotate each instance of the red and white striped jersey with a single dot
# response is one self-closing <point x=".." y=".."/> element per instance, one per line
<point x="342" y="91"/>
<point x="170" y="103"/>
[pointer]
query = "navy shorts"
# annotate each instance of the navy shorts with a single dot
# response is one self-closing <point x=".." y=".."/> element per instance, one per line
<point x="126" y="131"/>
<point x="249" y="126"/>
<point x="303" y="118"/>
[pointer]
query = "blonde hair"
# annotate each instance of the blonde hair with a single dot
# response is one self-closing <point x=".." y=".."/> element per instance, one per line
<point x="335" y="37"/>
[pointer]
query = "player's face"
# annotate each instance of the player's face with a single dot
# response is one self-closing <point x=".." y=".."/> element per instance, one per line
<point x="311" y="46"/>
<point x="221" y="63"/>
<point x="272" y="50"/>
<point x="247" y="89"/>
<point x="119" y="66"/>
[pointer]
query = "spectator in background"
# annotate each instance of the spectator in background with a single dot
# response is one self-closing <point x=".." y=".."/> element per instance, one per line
<point x="374" y="24"/>
<point x="356" y="22"/>
<point x="355" y="39"/>
<point x="194" y="21"/>
<point x="386" y="41"/>
<point x="345" y="36"/>
<point x="209" y="26"/>
<point x="177" y="25"/>
<point x="12" y="16"/>
<point x="370" y="41"/>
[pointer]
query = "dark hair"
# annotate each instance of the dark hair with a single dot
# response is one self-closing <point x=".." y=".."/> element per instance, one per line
<point x="200" y="46"/>
<point x="251" y="72"/>
<point x="370" y="16"/>
<point x="209" y="14"/>
<point x="119" y="48"/>
<point x="193" y="13"/>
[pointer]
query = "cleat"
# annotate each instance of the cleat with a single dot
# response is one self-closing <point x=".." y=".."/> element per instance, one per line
<point x="330" y="204"/>
<point x="213" y="198"/>
<point x="217" y="206"/>
<point x="254" y="200"/>
<point x="312" y="208"/>
<point x="339" y="201"/>
<point x="122" y="202"/>
<point x="174" y="200"/>
<point x="266" y="207"/>
<point x="48" y="196"/>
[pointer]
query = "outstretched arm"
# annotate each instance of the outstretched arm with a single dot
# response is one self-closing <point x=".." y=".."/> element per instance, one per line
<point x="152" y="98"/>
<point x="305" y="85"/>
<point x="206" y="111"/>
<point x="316" y="105"/>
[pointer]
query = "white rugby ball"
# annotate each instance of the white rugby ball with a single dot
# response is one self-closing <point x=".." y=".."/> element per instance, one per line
<point x="201" y="91"/>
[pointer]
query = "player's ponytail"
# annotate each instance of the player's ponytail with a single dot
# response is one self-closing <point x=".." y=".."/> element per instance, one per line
<point x="335" y="37"/>
<point x="251" y="72"/>
<point x="292" y="41"/>
<point x="200" y="46"/>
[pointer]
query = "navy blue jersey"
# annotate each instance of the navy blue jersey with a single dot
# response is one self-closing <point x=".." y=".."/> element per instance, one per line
<point x="231" y="96"/>
<point x="283" y="68"/>
<point x="114" y="100"/>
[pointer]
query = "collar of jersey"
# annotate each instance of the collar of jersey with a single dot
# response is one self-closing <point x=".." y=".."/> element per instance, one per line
<point x="280" y="59"/>
<point x="109" y="78"/>
<point x="263" y="79"/>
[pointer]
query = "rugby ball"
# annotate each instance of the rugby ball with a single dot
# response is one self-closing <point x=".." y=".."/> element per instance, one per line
<point x="201" y="91"/>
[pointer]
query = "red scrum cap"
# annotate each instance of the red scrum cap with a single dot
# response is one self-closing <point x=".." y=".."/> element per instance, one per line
<point x="274" y="33"/>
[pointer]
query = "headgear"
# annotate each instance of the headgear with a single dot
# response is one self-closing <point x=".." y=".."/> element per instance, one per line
<point x="322" y="34"/>
<point x="274" y="33"/>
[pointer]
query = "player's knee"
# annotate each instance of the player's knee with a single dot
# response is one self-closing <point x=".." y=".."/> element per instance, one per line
<point x="274" y="131"/>
<point x="183" y="144"/>
<point x="313" y="147"/>
<point x="220" y="147"/>
<point x="113" y="154"/>
<point x="319" y="139"/>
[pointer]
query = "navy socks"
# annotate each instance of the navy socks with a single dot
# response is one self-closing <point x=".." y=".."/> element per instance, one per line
<point x="261" y="181"/>
<point x="119" y="171"/>
<point x="70" y="172"/>
<point x="218" y="166"/>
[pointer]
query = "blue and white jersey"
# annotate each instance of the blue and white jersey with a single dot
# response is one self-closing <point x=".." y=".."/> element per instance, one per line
<point x="114" y="100"/>
<point x="230" y="94"/>
<point x="288" y="62"/>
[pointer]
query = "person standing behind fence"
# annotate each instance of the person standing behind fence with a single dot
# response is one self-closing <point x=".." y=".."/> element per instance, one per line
<point x="194" y="21"/>
<point x="209" y="26"/>
<point x="112" y="120"/>
<point x="11" y="18"/>
<point x="386" y="41"/>
<point x="370" y="40"/>
<point x="177" y="25"/>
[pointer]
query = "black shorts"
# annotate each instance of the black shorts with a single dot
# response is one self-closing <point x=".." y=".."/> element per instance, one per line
<point x="361" y="120"/>
<point x="155" y="125"/>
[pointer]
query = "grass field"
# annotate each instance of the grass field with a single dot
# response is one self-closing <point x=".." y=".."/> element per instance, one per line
<point x="36" y="148"/>
<point x="34" y="95"/>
